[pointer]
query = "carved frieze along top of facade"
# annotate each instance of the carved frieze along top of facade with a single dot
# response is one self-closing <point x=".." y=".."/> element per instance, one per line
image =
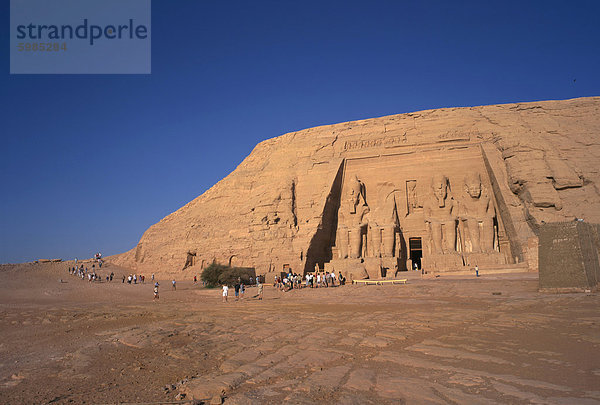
<point x="399" y="138"/>
<point x="373" y="143"/>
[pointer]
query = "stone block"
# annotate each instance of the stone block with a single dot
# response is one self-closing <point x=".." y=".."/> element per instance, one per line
<point x="352" y="269"/>
<point x="483" y="259"/>
<point x="442" y="262"/>
<point x="568" y="257"/>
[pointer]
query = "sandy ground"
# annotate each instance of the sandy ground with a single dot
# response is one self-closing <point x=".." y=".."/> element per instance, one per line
<point x="449" y="340"/>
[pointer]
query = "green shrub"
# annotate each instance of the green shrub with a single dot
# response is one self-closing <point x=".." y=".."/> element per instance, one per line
<point x="218" y="274"/>
<point x="231" y="275"/>
<point x="210" y="275"/>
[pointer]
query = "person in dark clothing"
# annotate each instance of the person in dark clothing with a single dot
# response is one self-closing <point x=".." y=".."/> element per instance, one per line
<point x="237" y="290"/>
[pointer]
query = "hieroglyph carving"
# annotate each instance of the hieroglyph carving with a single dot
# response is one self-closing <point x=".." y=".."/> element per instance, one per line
<point x="412" y="198"/>
<point x="371" y="143"/>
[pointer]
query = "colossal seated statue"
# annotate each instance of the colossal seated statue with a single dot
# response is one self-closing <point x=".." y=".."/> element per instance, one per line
<point x="356" y="194"/>
<point x="351" y="220"/>
<point x="476" y="213"/>
<point x="439" y="212"/>
<point x="383" y="221"/>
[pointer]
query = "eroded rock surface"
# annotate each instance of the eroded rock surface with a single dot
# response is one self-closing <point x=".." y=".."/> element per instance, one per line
<point x="537" y="162"/>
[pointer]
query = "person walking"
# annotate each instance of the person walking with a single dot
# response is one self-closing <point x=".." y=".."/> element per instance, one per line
<point x="260" y="291"/>
<point x="236" y="288"/>
<point x="225" y="292"/>
<point x="174" y="285"/>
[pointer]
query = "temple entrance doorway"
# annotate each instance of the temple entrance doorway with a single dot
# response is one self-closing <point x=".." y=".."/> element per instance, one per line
<point x="415" y="252"/>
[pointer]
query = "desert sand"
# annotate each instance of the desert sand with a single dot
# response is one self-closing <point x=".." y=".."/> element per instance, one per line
<point x="452" y="339"/>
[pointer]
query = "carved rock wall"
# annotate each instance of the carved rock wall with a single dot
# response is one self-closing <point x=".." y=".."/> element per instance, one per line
<point x="279" y="207"/>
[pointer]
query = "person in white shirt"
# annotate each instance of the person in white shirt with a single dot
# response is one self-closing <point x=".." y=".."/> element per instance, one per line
<point x="225" y="293"/>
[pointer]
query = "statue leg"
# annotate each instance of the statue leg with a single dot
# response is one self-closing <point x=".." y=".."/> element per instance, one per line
<point x="460" y="235"/>
<point x="343" y="242"/>
<point x="389" y="234"/>
<point x="436" y="237"/>
<point x="376" y="240"/>
<point x="473" y="226"/>
<point x="355" y="243"/>
<point x="449" y="236"/>
<point x="487" y="236"/>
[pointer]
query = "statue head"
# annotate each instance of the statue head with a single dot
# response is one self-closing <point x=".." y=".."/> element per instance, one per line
<point x="354" y="193"/>
<point x="439" y="186"/>
<point x="355" y="185"/>
<point x="473" y="184"/>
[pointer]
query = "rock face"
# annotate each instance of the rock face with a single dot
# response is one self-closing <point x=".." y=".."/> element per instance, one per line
<point x="445" y="189"/>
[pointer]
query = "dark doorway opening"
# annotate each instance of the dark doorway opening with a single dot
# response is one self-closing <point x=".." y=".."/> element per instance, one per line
<point x="416" y="252"/>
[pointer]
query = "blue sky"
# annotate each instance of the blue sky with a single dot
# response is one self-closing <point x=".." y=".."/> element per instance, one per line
<point x="89" y="162"/>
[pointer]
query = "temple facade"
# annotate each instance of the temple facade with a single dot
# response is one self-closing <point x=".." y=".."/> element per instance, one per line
<point x="431" y="207"/>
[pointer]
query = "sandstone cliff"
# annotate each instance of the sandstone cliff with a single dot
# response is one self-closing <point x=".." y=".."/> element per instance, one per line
<point x="278" y="207"/>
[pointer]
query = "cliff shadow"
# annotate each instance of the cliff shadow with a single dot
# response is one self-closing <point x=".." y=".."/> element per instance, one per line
<point x="319" y="248"/>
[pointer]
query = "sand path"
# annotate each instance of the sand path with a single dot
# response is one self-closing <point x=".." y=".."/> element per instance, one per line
<point x="492" y="339"/>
